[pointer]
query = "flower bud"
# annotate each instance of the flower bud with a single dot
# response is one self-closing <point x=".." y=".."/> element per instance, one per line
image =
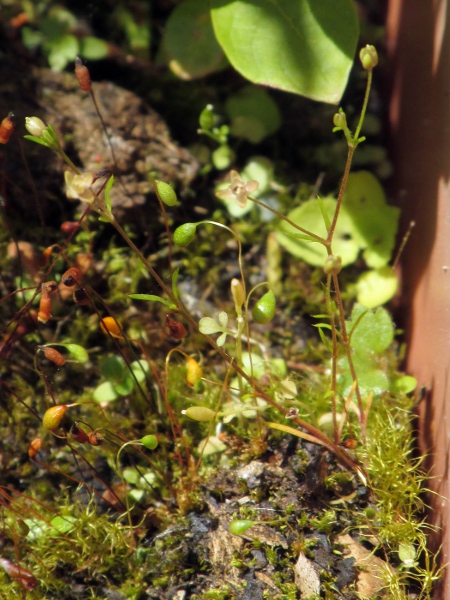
<point x="184" y="234"/>
<point x="166" y="193"/>
<point x="206" y="119"/>
<point x="35" y="126"/>
<point x="264" y="309"/>
<point x="368" y="57"/>
<point x="340" y="120"/>
<point x="333" y="265"/>
<point x="237" y="291"/>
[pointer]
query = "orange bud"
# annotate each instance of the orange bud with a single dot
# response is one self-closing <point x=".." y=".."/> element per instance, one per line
<point x="194" y="372"/>
<point x="53" y="416"/>
<point x="34" y="447"/>
<point x="110" y="326"/>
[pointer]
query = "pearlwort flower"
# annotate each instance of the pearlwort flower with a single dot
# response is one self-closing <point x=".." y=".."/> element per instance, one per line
<point x="238" y="189"/>
<point x="79" y="186"/>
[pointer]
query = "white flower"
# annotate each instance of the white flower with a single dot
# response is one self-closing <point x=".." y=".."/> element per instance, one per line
<point x="79" y="186"/>
<point x="35" y="126"/>
<point x="238" y="189"/>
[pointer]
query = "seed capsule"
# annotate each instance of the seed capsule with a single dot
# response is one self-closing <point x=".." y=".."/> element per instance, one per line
<point x="53" y="417"/>
<point x="71" y="277"/>
<point x="78" y="434"/>
<point x="95" y="438"/>
<point x="264" y="309"/>
<point x="199" y="413"/>
<point x="166" y="193"/>
<point x="34" y="447"/>
<point x="194" y="372"/>
<point x="45" y="305"/>
<point x="53" y="355"/>
<point x="176" y="329"/>
<point x="240" y="526"/>
<point x="110" y="325"/>
<point x="184" y="234"/>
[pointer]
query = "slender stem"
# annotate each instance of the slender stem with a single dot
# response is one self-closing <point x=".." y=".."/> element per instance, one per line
<point x="364" y="107"/>
<point x="291" y="223"/>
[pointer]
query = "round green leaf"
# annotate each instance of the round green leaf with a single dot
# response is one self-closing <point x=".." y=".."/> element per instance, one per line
<point x="93" y="48"/>
<point x="374" y="221"/>
<point x="189" y="41"/>
<point x="309" y="216"/>
<point x="113" y="368"/>
<point x="374" y="332"/>
<point x="105" y="392"/>
<point x="253" y="113"/>
<point x="300" y="46"/>
<point x="376" y="287"/>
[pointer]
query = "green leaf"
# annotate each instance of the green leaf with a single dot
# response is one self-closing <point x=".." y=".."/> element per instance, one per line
<point x="371" y="378"/>
<point x="105" y="392"/>
<point x="208" y="326"/>
<point x="189" y="41"/>
<point x="375" y="331"/>
<point x="114" y="368"/>
<point x="62" y="524"/>
<point x="93" y="48"/>
<point x="78" y="353"/>
<point x="300" y="46"/>
<point x="126" y="386"/>
<point x="108" y="187"/>
<point x="140" y="369"/>
<point x="309" y="216"/>
<point x="403" y="384"/>
<point x="376" y="287"/>
<point x="152" y="298"/>
<point x="374" y="221"/>
<point x="61" y="50"/>
<point x="254" y="115"/>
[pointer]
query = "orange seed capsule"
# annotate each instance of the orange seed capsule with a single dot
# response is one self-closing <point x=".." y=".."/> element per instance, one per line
<point x="53" y="355"/>
<point x="34" y="447"/>
<point x="110" y="326"/>
<point x="6" y="128"/>
<point x="82" y="75"/>
<point x="45" y="305"/>
<point x="53" y="416"/>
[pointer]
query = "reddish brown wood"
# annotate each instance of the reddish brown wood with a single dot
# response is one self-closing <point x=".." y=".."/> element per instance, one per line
<point x="419" y="65"/>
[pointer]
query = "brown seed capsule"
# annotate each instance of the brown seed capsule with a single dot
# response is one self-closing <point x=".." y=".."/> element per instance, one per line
<point x="71" y="277"/>
<point x="34" y="447"/>
<point x="80" y="297"/>
<point x="53" y="355"/>
<point x="26" y="579"/>
<point x="176" y="329"/>
<point x="82" y="75"/>
<point x="51" y="286"/>
<point x="78" y="434"/>
<point x="69" y="227"/>
<point x="53" y="417"/>
<point x="6" y="128"/>
<point x="95" y="438"/>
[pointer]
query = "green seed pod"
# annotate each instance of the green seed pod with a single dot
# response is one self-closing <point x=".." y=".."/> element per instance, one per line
<point x="264" y="309"/>
<point x="184" y="234"/>
<point x="166" y="193"/>
<point x="199" y="413"/>
<point x="240" y="526"/>
<point x="53" y="417"/>
<point x="149" y="441"/>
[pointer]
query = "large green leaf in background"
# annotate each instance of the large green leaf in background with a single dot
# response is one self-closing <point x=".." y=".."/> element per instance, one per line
<point x="300" y="46"/>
